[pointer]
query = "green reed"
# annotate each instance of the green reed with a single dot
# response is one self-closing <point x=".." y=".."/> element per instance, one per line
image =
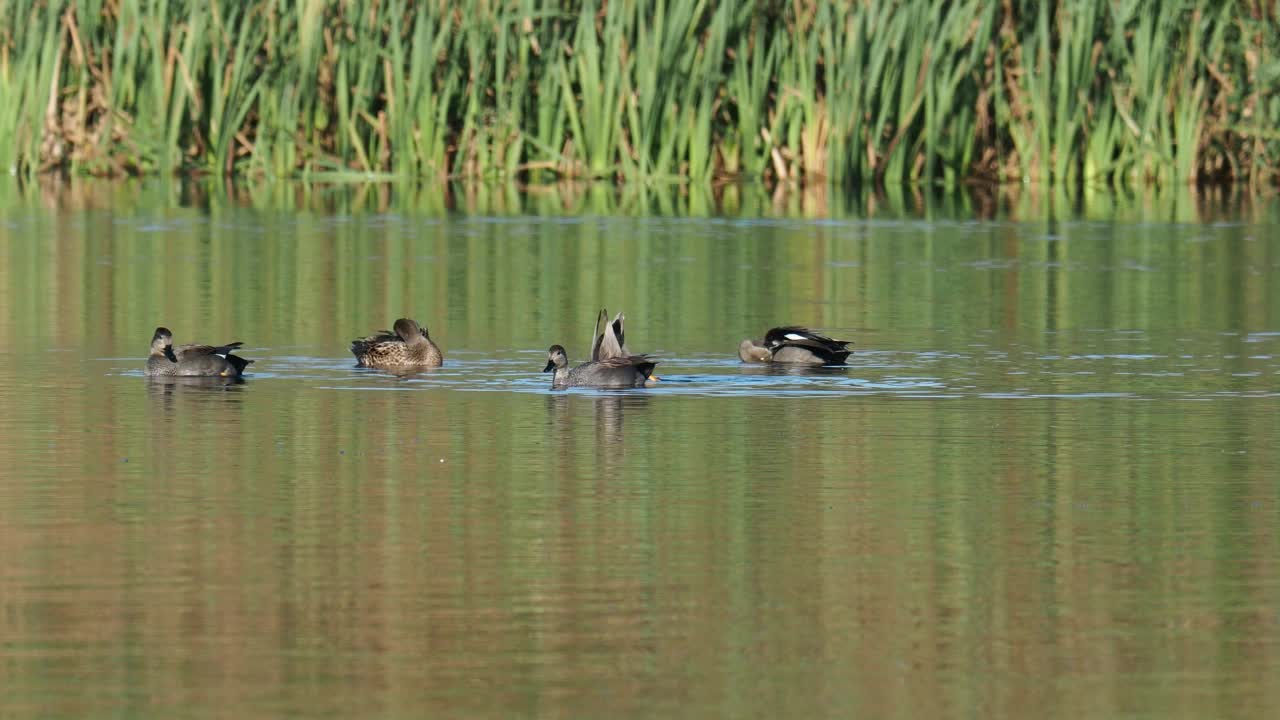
<point x="1065" y="92"/>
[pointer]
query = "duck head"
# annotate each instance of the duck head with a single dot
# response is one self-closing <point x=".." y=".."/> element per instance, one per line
<point x="556" y="358"/>
<point x="162" y="343"/>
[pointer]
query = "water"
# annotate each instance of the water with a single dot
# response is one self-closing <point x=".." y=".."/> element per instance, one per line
<point x="1045" y="486"/>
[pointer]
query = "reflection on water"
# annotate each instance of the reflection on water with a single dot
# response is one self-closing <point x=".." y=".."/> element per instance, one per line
<point x="751" y="202"/>
<point x="1044" y="484"/>
<point x="205" y="399"/>
<point x="605" y="411"/>
<point x="170" y="384"/>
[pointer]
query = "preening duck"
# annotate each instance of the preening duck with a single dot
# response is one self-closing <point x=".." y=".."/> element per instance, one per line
<point x="408" y="345"/>
<point x="794" y="345"/>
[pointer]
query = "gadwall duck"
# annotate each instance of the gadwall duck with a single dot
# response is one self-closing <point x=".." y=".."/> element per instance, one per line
<point x="794" y="345"/>
<point x="632" y="371"/>
<point x="408" y="346"/>
<point x="192" y="360"/>
<point x="609" y="340"/>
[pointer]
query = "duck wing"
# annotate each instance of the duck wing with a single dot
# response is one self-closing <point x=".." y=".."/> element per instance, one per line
<point x="360" y="346"/>
<point x="640" y="362"/>
<point x="608" y="340"/>
<point x="619" y="332"/>
<point x="830" y="350"/>
<point x="597" y="336"/>
<point x="192" y="352"/>
<point x="797" y="336"/>
<point x="203" y="359"/>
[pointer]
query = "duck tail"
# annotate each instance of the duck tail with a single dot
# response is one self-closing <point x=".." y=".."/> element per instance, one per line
<point x="238" y="363"/>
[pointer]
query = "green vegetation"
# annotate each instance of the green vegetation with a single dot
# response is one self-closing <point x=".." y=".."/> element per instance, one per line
<point x="1069" y="92"/>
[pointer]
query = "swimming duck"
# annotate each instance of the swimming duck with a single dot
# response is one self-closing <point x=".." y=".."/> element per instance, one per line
<point x="192" y="360"/>
<point x="631" y="371"/>
<point x="794" y="345"/>
<point x="408" y="346"/>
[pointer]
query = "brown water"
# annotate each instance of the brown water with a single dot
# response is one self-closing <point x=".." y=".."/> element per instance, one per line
<point x="1047" y="485"/>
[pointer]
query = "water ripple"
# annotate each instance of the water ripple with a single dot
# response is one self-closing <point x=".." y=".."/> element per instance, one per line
<point x="989" y="373"/>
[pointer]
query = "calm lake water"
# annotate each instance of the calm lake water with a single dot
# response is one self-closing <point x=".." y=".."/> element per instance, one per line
<point x="1046" y="485"/>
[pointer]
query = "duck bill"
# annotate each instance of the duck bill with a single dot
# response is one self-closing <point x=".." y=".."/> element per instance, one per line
<point x="168" y="352"/>
<point x="551" y="365"/>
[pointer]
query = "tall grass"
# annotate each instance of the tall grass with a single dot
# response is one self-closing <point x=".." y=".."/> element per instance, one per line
<point x="1067" y="92"/>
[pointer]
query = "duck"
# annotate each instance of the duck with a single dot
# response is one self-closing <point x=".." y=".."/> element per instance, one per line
<point x="192" y="360"/>
<point x="630" y="371"/>
<point x="407" y="345"/>
<point x="794" y="345"/>
<point x="609" y="341"/>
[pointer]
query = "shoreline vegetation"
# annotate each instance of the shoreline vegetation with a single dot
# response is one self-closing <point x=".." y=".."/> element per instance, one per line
<point x="1069" y="93"/>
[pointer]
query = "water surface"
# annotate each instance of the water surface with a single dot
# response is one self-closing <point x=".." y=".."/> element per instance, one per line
<point x="1045" y="485"/>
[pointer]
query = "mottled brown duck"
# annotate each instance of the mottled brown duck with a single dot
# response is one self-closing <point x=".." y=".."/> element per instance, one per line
<point x="407" y="346"/>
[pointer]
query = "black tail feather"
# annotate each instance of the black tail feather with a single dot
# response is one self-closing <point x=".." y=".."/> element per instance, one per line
<point x="238" y="363"/>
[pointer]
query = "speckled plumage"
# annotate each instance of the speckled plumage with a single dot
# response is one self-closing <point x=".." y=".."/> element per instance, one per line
<point x="165" y="360"/>
<point x="408" y="345"/>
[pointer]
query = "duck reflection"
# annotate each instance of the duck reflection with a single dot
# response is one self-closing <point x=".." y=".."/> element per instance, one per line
<point x="401" y="374"/>
<point x="780" y="369"/>
<point x="607" y="416"/>
<point x="195" y="384"/>
<point x="610" y="411"/>
<point x="199" y="389"/>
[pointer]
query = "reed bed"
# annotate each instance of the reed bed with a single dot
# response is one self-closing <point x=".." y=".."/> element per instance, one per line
<point x="1066" y="92"/>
